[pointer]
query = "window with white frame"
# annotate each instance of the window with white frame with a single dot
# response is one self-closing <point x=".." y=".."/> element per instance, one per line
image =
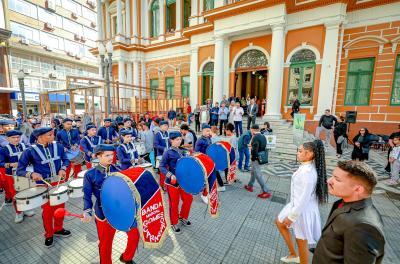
<point x="25" y="32"/>
<point x="23" y="7"/>
<point x="50" y="40"/>
<point x="49" y="17"/>
<point x="72" y="26"/>
<point x="89" y="14"/>
<point x="90" y="33"/>
<point x="72" y="6"/>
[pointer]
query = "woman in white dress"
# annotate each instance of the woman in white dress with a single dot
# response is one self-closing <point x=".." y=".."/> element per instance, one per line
<point x="308" y="188"/>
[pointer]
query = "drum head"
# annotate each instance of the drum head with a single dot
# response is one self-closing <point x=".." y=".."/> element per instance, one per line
<point x="218" y="153"/>
<point x="118" y="202"/>
<point x="31" y="192"/>
<point x="190" y="174"/>
<point x="81" y="174"/>
<point x="76" y="183"/>
<point x="59" y="189"/>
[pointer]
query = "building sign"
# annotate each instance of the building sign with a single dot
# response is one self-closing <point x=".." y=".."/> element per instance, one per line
<point x="31" y="97"/>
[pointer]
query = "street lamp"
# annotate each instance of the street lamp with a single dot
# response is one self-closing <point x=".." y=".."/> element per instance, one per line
<point x="21" y="77"/>
<point x="106" y="66"/>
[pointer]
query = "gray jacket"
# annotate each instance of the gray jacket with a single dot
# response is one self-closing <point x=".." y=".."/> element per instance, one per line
<point x="253" y="111"/>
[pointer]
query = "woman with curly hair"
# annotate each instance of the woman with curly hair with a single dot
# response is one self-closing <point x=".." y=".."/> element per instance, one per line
<point x="362" y="142"/>
<point x="308" y="188"/>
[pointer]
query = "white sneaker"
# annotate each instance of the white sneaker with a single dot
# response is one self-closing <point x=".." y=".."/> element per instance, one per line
<point x="221" y="189"/>
<point x="204" y="198"/>
<point x="19" y="218"/>
<point x="29" y="213"/>
<point x="290" y="260"/>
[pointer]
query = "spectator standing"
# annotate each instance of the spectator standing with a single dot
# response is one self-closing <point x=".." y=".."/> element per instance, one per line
<point x="147" y="137"/>
<point x="197" y="118"/>
<point x="214" y="115"/>
<point x="362" y="142"/>
<point x="295" y="105"/>
<point x="326" y="123"/>
<point x="238" y="119"/>
<point x="224" y="100"/>
<point x="252" y="111"/>
<point x="171" y="117"/>
<point x="231" y="108"/>
<point x="394" y="159"/>
<point x="243" y="150"/>
<point x="189" y="113"/>
<point x="204" y="116"/>
<point x="223" y="117"/>
<point x="391" y="146"/>
<point x="340" y="135"/>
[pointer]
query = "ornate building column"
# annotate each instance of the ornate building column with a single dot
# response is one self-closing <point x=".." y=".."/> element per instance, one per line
<point x="99" y="8"/>
<point x="162" y="19"/>
<point x="136" y="76"/>
<point x="128" y="19"/>
<point x="193" y="13"/>
<point x="218" y="69"/>
<point x="194" y="91"/>
<point x="108" y="20"/>
<point x="179" y="15"/>
<point x="119" y="17"/>
<point x="135" y="22"/>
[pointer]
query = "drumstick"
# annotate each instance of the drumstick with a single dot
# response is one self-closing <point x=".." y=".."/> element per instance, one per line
<point x="61" y="212"/>
<point x="47" y="183"/>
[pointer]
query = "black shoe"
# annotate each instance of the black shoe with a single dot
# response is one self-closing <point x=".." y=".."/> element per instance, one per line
<point x="63" y="233"/>
<point x="312" y="250"/>
<point x="176" y="229"/>
<point x="49" y="242"/>
<point x="121" y="258"/>
<point x="1" y="190"/>
<point x="185" y="222"/>
<point x="8" y="201"/>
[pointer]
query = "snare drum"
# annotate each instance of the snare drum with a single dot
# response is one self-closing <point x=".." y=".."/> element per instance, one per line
<point x="81" y="174"/>
<point x="141" y="148"/>
<point x="75" y="156"/>
<point x="58" y="195"/>
<point x="75" y="188"/>
<point x="22" y="183"/>
<point x="31" y="198"/>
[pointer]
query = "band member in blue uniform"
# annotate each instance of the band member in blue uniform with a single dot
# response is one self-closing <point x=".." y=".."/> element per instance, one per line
<point x="107" y="132"/>
<point x="126" y="152"/>
<point x="201" y="146"/>
<point x="70" y="138"/>
<point x="49" y="163"/>
<point x="5" y="125"/>
<point x="92" y="183"/>
<point x="89" y="142"/>
<point x="128" y="127"/>
<point x="175" y="192"/>
<point x="9" y="156"/>
<point x="161" y="144"/>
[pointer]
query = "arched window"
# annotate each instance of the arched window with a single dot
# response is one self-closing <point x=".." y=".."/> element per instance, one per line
<point x="208" y="5"/>
<point x="155" y="18"/>
<point x="187" y="10"/>
<point x="171" y="15"/>
<point x="252" y="59"/>
<point x="301" y="76"/>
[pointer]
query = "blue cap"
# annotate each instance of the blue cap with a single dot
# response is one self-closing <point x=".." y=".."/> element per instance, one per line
<point x="174" y="134"/>
<point x="7" y="122"/>
<point x="67" y="120"/>
<point x="157" y="120"/>
<point x="103" y="147"/>
<point x="90" y="127"/>
<point x="125" y="132"/>
<point x="107" y="119"/>
<point x="41" y="130"/>
<point x="127" y="119"/>
<point x="13" y="133"/>
<point x="204" y="126"/>
<point x="163" y="123"/>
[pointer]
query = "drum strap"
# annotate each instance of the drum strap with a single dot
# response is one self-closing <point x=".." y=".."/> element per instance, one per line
<point x="17" y="153"/>
<point x="129" y="151"/>
<point x="46" y="158"/>
<point x="165" y="138"/>
<point x="92" y="145"/>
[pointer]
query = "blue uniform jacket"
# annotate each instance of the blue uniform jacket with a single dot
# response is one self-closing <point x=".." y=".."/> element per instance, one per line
<point x="125" y="154"/>
<point x="107" y="133"/>
<point x="92" y="184"/>
<point x="168" y="163"/>
<point x="68" y="139"/>
<point x="202" y="144"/>
<point x="161" y="142"/>
<point x="47" y="161"/>
<point x="88" y="144"/>
<point x="10" y="154"/>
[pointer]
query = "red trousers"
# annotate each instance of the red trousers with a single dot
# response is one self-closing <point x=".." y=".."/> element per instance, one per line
<point x="76" y="169"/>
<point x="10" y="190"/>
<point x="106" y="236"/>
<point x="51" y="224"/>
<point x="162" y="180"/>
<point x="174" y="195"/>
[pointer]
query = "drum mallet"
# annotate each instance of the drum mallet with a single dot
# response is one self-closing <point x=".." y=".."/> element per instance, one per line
<point x="61" y="212"/>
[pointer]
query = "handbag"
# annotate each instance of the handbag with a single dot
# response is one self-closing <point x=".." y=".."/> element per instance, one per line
<point x="263" y="157"/>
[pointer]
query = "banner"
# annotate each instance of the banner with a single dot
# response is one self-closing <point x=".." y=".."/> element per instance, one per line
<point x="298" y="128"/>
<point x="271" y="141"/>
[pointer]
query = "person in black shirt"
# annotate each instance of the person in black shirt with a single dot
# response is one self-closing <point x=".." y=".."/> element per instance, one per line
<point x="295" y="106"/>
<point x="326" y="123"/>
<point x="340" y="135"/>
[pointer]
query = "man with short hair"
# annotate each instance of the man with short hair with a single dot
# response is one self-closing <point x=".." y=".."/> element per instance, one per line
<point x="214" y="115"/>
<point x="252" y="111"/>
<point x="223" y="112"/>
<point x="188" y="136"/>
<point x="353" y="232"/>
<point x="326" y="123"/>
<point x="107" y="133"/>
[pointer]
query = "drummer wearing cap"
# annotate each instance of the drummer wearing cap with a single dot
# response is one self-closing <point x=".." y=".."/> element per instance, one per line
<point x="161" y="144"/>
<point x="88" y="143"/>
<point x="70" y="138"/>
<point x="128" y="127"/>
<point x="9" y="156"/>
<point x="126" y="152"/>
<point x="175" y="192"/>
<point x="201" y="146"/>
<point x="107" y="132"/>
<point x="92" y="183"/>
<point x="49" y="163"/>
<point x="5" y="125"/>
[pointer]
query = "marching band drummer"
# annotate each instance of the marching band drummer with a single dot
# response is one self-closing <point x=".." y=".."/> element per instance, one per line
<point x="107" y="132"/>
<point x="49" y="163"/>
<point x="89" y="142"/>
<point x="92" y="183"/>
<point x="126" y="152"/>
<point x="9" y="156"/>
<point x="5" y="125"/>
<point x="161" y="144"/>
<point x="201" y="146"/>
<point x="128" y="127"/>
<point x="175" y="192"/>
<point x="70" y="138"/>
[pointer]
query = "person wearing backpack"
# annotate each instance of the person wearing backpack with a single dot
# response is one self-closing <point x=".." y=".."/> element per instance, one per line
<point x="243" y="150"/>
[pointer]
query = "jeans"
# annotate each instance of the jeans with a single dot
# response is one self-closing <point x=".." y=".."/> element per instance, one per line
<point x="338" y="146"/>
<point x="222" y="123"/>
<point x="328" y="134"/>
<point x="251" y="120"/>
<point x="189" y="118"/>
<point x="238" y="128"/>
<point x="257" y="174"/>
<point x="214" y="122"/>
<point x="395" y="170"/>
<point x="246" y="153"/>
<point x="197" y="125"/>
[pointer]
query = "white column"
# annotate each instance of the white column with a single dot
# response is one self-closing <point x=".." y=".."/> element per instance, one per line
<point x="225" y="91"/>
<point x="194" y="92"/>
<point x="327" y="80"/>
<point x="218" y="69"/>
<point x="143" y="78"/>
<point x="119" y="17"/>
<point x="128" y="19"/>
<point x="121" y="71"/>
<point x="100" y="29"/>
<point x="108" y="20"/>
<point x="129" y="73"/>
<point x="275" y="73"/>
<point x="193" y="14"/>
<point x="145" y="22"/>
<point x="135" y="22"/>
<point x="179" y="15"/>
<point x="136" y="76"/>
<point x="162" y="19"/>
<point x="200" y="18"/>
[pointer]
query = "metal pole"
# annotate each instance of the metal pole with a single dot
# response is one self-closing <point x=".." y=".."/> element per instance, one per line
<point x="108" y="75"/>
<point x="22" y="89"/>
<point x="103" y="68"/>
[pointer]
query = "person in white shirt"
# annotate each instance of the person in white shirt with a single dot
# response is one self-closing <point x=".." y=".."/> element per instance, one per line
<point x="231" y="108"/>
<point x="394" y="159"/>
<point x="204" y="115"/>
<point x="308" y="188"/>
<point x="237" y="114"/>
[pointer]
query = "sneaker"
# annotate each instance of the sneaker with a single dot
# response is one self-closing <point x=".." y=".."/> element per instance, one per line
<point x="176" y="229"/>
<point x="264" y="195"/>
<point x="49" y="242"/>
<point x="249" y="188"/>
<point x="63" y="233"/>
<point x="288" y="259"/>
<point x="8" y="202"/>
<point x="29" y="213"/>
<point x="121" y="258"/>
<point x="204" y="199"/>
<point x="19" y="218"/>
<point x="221" y="189"/>
<point x="185" y="222"/>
